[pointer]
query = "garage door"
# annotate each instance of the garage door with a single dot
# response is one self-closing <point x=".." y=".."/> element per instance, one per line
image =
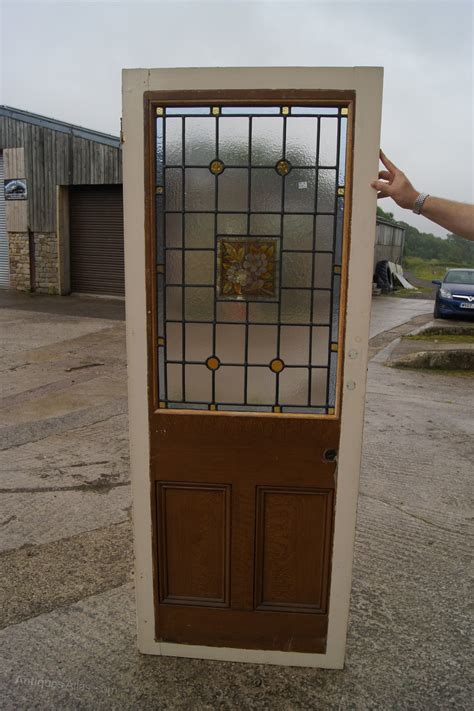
<point x="96" y="235"/>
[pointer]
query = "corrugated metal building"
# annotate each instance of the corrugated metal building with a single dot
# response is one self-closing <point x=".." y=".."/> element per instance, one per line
<point x="61" y="225"/>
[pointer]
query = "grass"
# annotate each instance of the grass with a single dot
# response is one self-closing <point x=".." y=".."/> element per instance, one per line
<point x="436" y="371"/>
<point x="428" y="269"/>
<point x="444" y="338"/>
<point x="421" y="292"/>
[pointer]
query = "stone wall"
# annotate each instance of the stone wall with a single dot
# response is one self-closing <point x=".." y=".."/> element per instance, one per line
<point x="46" y="263"/>
<point x="19" y="261"/>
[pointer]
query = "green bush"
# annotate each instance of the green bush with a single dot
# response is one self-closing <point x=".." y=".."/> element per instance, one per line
<point x="441" y="253"/>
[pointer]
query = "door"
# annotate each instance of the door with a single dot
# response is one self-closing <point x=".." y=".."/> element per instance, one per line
<point x="248" y="238"/>
<point x="96" y="234"/>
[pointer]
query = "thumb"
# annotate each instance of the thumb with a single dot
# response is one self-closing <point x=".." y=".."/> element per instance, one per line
<point x="381" y="186"/>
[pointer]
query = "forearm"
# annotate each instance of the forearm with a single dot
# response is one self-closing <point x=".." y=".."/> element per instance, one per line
<point x="456" y="217"/>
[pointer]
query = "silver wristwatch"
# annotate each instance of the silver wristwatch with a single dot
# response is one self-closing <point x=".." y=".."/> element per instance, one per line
<point x="417" y="207"/>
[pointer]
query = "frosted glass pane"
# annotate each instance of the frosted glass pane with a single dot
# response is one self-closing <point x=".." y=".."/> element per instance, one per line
<point x="174" y="302"/>
<point x="198" y="341"/>
<point x="265" y="224"/>
<point x="198" y="383"/>
<point x="294" y="386"/>
<point x="314" y="110"/>
<point x="321" y="306"/>
<point x="234" y="140"/>
<point x="178" y="110"/>
<point x="299" y="191"/>
<point x="298" y="231"/>
<point x="263" y="313"/>
<point x="318" y="386"/>
<point x="262" y="344"/>
<point x="261" y="386"/>
<point x="233" y="189"/>
<point x="199" y="230"/>
<point x="322" y="270"/>
<point x="301" y="135"/>
<point x="294" y="345"/>
<point x="267" y="140"/>
<point x="232" y="224"/>
<point x="159" y="151"/>
<point x="335" y="307"/>
<point x="231" y="311"/>
<point x="326" y="190"/>
<point x="250" y="110"/>
<point x="230" y="343"/>
<point x="174" y="341"/>
<point x="295" y="306"/>
<point x="174" y="188"/>
<point x="200" y="140"/>
<point x="332" y="380"/>
<point x="199" y="189"/>
<point x="174" y="374"/>
<point x="296" y="269"/>
<point x="174" y="271"/>
<point x="339" y="230"/>
<point x="199" y="267"/>
<point x="173" y="230"/>
<point x="320" y="346"/>
<point x="266" y="190"/>
<point x="230" y="384"/>
<point x="174" y="141"/>
<point x="342" y="152"/>
<point x="328" y="141"/>
<point x="199" y="303"/>
<point x="324" y="232"/>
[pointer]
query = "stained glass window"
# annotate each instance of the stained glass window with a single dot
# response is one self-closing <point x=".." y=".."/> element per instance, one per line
<point x="249" y="219"/>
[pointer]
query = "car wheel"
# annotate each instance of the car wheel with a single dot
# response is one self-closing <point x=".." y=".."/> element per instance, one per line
<point x="436" y="312"/>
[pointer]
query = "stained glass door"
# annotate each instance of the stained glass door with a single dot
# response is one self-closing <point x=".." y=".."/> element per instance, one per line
<point x="249" y="238"/>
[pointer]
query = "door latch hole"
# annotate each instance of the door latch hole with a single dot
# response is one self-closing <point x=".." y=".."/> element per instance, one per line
<point x="330" y="455"/>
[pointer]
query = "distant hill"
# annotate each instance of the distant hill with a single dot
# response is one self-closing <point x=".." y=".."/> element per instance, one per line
<point x="452" y="250"/>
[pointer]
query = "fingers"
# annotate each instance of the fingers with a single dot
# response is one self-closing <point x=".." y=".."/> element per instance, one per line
<point x="383" y="188"/>
<point x="388" y="163"/>
<point x="385" y="175"/>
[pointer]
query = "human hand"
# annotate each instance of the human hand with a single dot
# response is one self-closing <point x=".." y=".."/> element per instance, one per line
<point x="395" y="184"/>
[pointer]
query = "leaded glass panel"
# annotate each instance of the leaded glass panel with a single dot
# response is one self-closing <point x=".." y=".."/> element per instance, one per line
<point x="249" y="229"/>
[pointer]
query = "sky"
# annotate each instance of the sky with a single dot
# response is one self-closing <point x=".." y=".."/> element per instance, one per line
<point x="64" y="59"/>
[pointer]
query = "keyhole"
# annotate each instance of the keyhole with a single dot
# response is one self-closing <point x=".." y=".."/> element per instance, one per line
<point x="330" y="455"/>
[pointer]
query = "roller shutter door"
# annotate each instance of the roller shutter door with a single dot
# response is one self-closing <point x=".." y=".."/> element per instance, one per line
<point x="4" y="254"/>
<point x="96" y="239"/>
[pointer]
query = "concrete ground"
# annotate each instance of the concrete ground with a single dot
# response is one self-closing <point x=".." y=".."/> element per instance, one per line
<point x="68" y="637"/>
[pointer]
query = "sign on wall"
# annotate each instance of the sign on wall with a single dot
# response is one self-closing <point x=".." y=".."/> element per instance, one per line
<point x="15" y="189"/>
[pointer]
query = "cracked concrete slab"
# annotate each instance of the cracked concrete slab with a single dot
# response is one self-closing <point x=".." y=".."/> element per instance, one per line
<point x="70" y="642"/>
<point x="39" y="578"/>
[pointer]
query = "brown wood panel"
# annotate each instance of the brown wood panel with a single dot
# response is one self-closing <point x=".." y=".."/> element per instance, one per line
<point x="194" y="543"/>
<point x="242" y="629"/>
<point x="292" y="548"/>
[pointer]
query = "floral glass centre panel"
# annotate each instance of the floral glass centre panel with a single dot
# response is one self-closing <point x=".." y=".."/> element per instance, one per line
<point x="249" y="208"/>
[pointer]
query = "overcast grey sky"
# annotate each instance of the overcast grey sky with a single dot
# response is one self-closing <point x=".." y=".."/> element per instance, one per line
<point x="63" y="59"/>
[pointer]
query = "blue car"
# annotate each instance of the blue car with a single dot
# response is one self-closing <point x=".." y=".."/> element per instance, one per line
<point x="455" y="296"/>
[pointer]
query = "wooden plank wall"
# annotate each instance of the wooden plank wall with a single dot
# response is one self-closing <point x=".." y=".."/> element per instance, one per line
<point x="56" y="158"/>
<point x="16" y="210"/>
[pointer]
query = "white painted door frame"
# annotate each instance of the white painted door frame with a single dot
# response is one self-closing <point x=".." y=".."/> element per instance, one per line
<point x="366" y="82"/>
